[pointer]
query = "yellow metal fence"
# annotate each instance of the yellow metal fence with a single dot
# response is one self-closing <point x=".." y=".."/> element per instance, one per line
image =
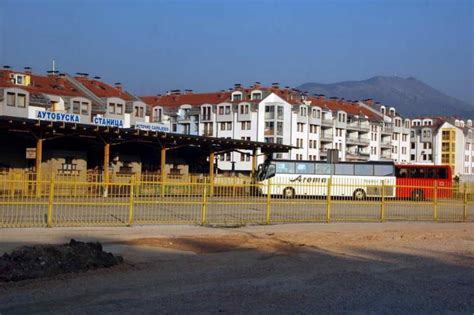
<point x="58" y="202"/>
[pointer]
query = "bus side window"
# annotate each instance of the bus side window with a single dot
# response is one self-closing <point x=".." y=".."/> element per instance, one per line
<point x="344" y="169"/>
<point x="442" y="173"/>
<point x="323" y="168"/>
<point x="402" y="172"/>
<point x="431" y="173"/>
<point x="304" y="168"/>
<point x="364" y="170"/>
<point x="285" y="167"/>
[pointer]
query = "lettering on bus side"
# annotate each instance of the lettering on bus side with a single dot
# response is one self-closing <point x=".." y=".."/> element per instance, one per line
<point x="302" y="179"/>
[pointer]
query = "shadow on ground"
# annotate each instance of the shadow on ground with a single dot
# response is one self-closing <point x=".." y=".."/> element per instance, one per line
<point x="253" y="273"/>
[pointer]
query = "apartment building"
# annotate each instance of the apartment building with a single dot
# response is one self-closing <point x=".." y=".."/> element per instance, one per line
<point x="443" y="140"/>
<point x="359" y="130"/>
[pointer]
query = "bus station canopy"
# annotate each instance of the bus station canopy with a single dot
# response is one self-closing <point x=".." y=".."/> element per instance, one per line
<point x="42" y="129"/>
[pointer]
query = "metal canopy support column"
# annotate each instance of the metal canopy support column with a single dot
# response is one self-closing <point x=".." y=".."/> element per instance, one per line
<point x="163" y="170"/>
<point x="254" y="162"/>
<point x="211" y="173"/>
<point x="106" y="178"/>
<point x="39" y="160"/>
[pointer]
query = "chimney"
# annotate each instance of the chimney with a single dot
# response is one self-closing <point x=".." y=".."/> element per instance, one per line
<point x="237" y="86"/>
<point x="6" y="67"/>
<point x="276" y="85"/>
<point x="97" y="78"/>
<point x="257" y="85"/>
<point x="118" y="86"/>
<point x="369" y="102"/>
<point x="188" y="91"/>
<point x="27" y="70"/>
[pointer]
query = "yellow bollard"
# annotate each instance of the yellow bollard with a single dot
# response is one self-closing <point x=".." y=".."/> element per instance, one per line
<point x="328" y="201"/>
<point x="269" y="199"/>
<point x="204" y="204"/>
<point x="50" y="202"/>
<point x="382" y="203"/>
<point x="132" y="201"/>
<point x="464" y="213"/>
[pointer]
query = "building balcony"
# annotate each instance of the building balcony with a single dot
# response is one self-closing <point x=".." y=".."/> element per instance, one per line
<point x="357" y="141"/>
<point x="360" y="155"/>
<point x="206" y="118"/>
<point x="269" y="131"/>
<point x="327" y="122"/>
<point x="358" y="126"/>
<point x="327" y="137"/>
<point x="386" y="144"/>
<point x="323" y="152"/>
<point x="207" y="133"/>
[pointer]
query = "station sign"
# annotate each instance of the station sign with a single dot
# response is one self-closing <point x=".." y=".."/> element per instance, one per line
<point x="107" y="122"/>
<point x="56" y="116"/>
<point x="152" y="126"/>
<point x="30" y="153"/>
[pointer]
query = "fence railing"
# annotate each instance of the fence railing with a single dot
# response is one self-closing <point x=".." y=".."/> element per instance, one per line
<point x="237" y="201"/>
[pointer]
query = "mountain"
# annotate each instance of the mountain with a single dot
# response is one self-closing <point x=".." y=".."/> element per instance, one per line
<point x="410" y="97"/>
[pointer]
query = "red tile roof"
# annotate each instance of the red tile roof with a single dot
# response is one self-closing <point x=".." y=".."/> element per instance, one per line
<point x="335" y="105"/>
<point x="196" y="99"/>
<point x="102" y="89"/>
<point x="50" y="84"/>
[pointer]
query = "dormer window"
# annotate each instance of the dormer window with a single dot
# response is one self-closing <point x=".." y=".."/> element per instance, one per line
<point x="398" y="123"/>
<point x="256" y="95"/>
<point x="19" y="79"/>
<point x="237" y="96"/>
<point x="382" y="109"/>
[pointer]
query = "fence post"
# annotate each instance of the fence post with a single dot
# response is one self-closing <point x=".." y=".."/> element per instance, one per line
<point x="382" y="204"/>
<point x="50" y="202"/>
<point x="464" y="213"/>
<point x="435" y="199"/>
<point x="132" y="200"/>
<point x="204" y="204"/>
<point x="269" y="197"/>
<point x="328" y="200"/>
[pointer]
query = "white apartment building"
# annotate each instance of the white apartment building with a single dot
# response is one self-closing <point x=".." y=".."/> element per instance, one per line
<point x="359" y="130"/>
<point x="442" y="140"/>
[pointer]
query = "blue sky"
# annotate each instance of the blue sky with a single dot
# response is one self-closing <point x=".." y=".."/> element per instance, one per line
<point x="153" y="46"/>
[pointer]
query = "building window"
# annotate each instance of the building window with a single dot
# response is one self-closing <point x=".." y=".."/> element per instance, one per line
<point x="76" y="107"/>
<point x="139" y="111"/>
<point x="404" y="137"/>
<point x="303" y="111"/>
<point x="174" y="128"/>
<point x="229" y="126"/>
<point x="21" y="100"/>
<point x="244" y="109"/>
<point x="112" y="108"/>
<point x="221" y="110"/>
<point x="10" y="99"/>
<point x="237" y="97"/>
<point x="119" y="110"/>
<point x="227" y="110"/>
<point x="256" y="96"/>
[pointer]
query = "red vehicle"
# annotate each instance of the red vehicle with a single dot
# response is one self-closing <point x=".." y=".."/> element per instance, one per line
<point x="420" y="181"/>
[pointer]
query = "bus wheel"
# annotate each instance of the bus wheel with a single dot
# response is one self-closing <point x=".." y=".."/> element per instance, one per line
<point x="417" y="195"/>
<point x="288" y="192"/>
<point x="359" y="194"/>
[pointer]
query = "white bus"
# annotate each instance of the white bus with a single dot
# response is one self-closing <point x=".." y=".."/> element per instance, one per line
<point x="311" y="178"/>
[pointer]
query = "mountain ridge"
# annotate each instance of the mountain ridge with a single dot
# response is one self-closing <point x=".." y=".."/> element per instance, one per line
<point x="410" y="96"/>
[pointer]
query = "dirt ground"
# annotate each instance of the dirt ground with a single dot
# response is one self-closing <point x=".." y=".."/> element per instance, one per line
<point x="291" y="268"/>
